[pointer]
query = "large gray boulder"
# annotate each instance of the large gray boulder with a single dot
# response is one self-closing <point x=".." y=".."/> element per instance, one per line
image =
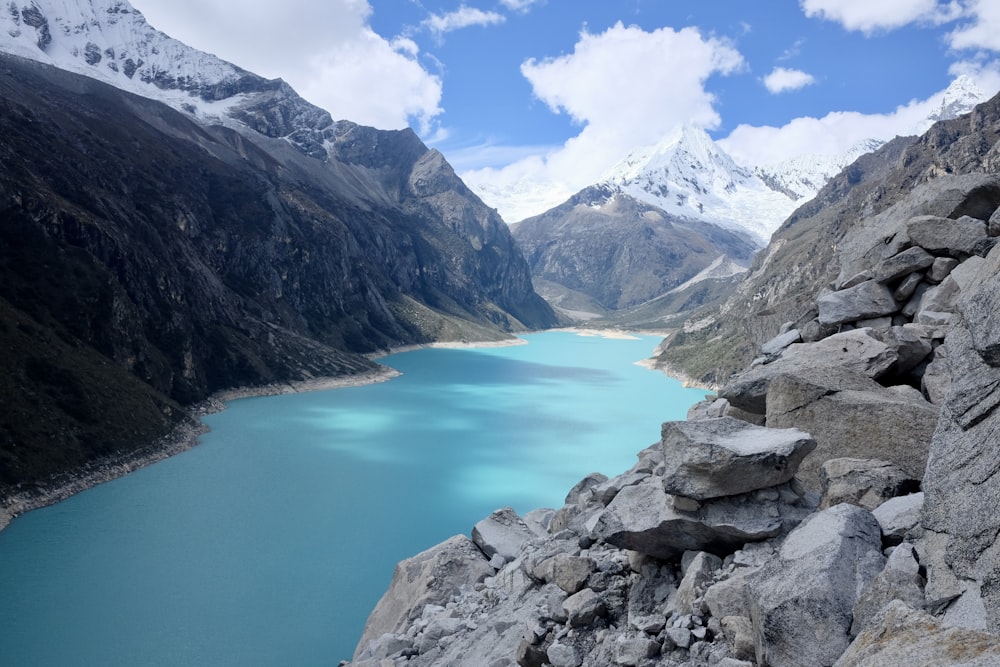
<point x="429" y="578"/>
<point x="856" y="351"/>
<point x="868" y="299"/>
<point x="503" y="534"/>
<point x="866" y="483"/>
<point x="646" y="519"/>
<point x="900" y="579"/>
<point x="903" y="263"/>
<point x="801" y="603"/>
<point x="853" y="423"/>
<point x="711" y="458"/>
<point x="905" y="636"/>
<point x="943" y="235"/>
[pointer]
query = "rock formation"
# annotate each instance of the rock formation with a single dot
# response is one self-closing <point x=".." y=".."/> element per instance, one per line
<point x="836" y="505"/>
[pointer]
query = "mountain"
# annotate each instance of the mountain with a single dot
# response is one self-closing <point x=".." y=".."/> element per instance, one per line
<point x="605" y="252"/>
<point x="152" y="255"/>
<point x="589" y="261"/>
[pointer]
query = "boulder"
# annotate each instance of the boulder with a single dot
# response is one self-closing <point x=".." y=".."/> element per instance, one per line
<point x="738" y="631"/>
<point x="780" y="342"/>
<point x="852" y="423"/>
<point x="904" y="263"/>
<point x="644" y="518"/>
<point x="898" y="516"/>
<point x="584" y="608"/>
<point x="801" y="603"/>
<point x="432" y="577"/>
<point x="711" y="458"/>
<point x="856" y="351"/>
<point x="941" y="268"/>
<point x="863" y="482"/>
<point x="899" y="580"/>
<point x="905" y="636"/>
<point x="868" y="299"/>
<point x="979" y="311"/>
<point x="502" y="533"/>
<point x="568" y="572"/>
<point x="956" y="238"/>
<point x="697" y="576"/>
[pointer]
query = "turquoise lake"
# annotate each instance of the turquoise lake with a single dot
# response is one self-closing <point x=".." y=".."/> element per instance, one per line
<point x="270" y="542"/>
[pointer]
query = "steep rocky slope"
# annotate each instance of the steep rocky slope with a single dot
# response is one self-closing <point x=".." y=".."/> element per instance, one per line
<point x="148" y="260"/>
<point x="801" y="259"/>
<point x="836" y="505"/>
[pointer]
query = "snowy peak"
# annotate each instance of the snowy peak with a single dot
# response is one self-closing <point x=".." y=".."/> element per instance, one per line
<point x="690" y="176"/>
<point x="111" y="41"/>
<point x="960" y="97"/>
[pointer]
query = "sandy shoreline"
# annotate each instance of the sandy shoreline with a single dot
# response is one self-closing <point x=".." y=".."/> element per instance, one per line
<point x="186" y="435"/>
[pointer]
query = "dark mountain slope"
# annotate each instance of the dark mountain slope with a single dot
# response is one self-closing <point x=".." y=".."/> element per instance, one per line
<point x="162" y="260"/>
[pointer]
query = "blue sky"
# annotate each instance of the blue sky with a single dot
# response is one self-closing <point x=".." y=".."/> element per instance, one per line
<point x="550" y="93"/>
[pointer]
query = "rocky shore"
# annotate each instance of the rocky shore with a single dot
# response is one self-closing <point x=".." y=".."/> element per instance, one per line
<point x="834" y="506"/>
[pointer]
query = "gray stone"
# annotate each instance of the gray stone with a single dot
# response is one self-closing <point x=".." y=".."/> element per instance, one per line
<point x="679" y="637"/>
<point x="733" y="662"/>
<point x="729" y="597"/>
<point x="581" y="491"/>
<point x="936" y="379"/>
<point x="908" y="261"/>
<point x="707" y="409"/>
<point x="604" y="493"/>
<point x="879" y="323"/>
<point x="899" y="580"/>
<point x="725" y="456"/>
<point x="780" y="342"/>
<point x="813" y="331"/>
<point x="906" y="287"/>
<point x="802" y="601"/>
<point x="852" y="423"/>
<point x="856" y="351"/>
<point x="738" y="631"/>
<point x="431" y="577"/>
<point x="502" y="533"/>
<point x="940" y="298"/>
<point x="904" y="636"/>
<point x="563" y="655"/>
<point x="584" y="608"/>
<point x="868" y="299"/>
<point x="568" y="572"/>
<point x="898" y="516"/>
<point x="913" y="305"/>
<point x="910" y="347"/>
<point x="635" y="650"/>
<point x="980" y="312"/>
<point x="697" y="576"/>
<point x="935" y="318"/>
<point x="643" y="518"/>
<point x="863" y="482"/>
<point x="942" y="235"/>
<point x="941" y="269"/>
<point x="856" y="279"/>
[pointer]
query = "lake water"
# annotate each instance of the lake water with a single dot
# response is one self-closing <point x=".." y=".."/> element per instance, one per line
<point x="270" y="542"/>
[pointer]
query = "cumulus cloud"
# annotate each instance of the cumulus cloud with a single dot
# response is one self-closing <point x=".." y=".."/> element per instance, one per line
<point x="839" y="131"/>
<point x="782" y="79"/>
<point x="326" y="51"/>
<point x="625" y="87"/>
<point x="463" y="17"/>
<point x="870" y="16"/>
<point x="983" y="29"/>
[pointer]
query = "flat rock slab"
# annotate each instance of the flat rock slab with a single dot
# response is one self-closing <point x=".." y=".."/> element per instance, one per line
<point x="954" y="237"/>
<point x="724" y="456"/>
<point x="868" y="299"/>
<point x="502" y="533"/>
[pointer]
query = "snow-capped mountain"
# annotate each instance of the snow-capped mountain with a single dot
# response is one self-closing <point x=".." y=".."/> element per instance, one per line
<point x="689" y="176"/>
<point x="111" y="41"/>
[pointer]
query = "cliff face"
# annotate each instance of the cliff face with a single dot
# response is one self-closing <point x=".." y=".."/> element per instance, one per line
<point x="835" y="506"/>
<point x="148" y="260"/>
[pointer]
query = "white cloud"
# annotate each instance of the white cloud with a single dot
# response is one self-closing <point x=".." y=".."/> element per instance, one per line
<point x="836" y="132"/>
<point x="872" y="15"/>
<point x="782" y="79"/>
<point x="326" y="51"/>
<point x="625" y="87"/>
<point x="984" y="30"/>
<point x="520" y="5"/>
<point x="463" y="17"/>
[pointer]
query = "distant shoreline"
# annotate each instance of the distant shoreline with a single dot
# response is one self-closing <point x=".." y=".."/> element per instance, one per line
<point x="186" y="435"/>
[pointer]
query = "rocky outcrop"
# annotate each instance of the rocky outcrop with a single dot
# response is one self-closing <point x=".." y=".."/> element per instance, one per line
<point x="710" y="551"/>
